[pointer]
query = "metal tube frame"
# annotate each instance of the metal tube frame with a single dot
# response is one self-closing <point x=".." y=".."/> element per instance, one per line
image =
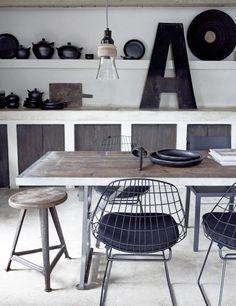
<point x="224" y="257"/>
<point x="128" y="257"/>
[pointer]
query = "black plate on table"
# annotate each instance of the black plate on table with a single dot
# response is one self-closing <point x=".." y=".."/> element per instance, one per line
<point x="173" y="163"/>
<point x="134" y="49"/>
<point x="211" y="35"/>
<point x="177" y="155"/>
<point x="8" y="43"/>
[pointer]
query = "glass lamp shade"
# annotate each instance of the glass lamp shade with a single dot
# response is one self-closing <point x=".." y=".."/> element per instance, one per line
<point x="107" y="67"/>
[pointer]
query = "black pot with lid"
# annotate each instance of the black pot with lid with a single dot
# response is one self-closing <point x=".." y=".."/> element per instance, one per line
<point x="22" y="52"/>
<point x="69" y="51"/>
<point x="43" y="49"/>
<point x="12" y="100"/>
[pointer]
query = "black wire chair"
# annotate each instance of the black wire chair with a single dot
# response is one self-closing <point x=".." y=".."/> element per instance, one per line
<point x="220" y="227"/>
<point x="142" y="219"/>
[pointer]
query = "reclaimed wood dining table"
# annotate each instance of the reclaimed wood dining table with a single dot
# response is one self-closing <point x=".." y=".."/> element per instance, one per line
<point x="91" y="168"/>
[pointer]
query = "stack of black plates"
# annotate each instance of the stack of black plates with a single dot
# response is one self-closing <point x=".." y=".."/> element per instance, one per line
<point x="52" y="105"/>
<point x="33" y="102"/>
<point x="175" y="158"/>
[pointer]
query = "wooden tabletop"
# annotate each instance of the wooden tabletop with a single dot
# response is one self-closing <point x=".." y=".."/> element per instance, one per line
<point x="99" y="168"/>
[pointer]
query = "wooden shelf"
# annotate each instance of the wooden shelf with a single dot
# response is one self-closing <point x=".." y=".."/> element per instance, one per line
<point x="93" y="64"/>
<point x="89" y="3"/>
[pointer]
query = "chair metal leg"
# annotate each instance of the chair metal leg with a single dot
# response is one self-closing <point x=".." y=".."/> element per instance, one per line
<point x="58" y="229"/>
<point x="197" y="223"/>
<point x="17" y="234"/>
<point x="43" y="213"/>
<point x="187" y="205"/>
<point x="168" y="281"/>
<point x="105" y="282"/>
<point x="222" y="281"/>
<point x="201" y="272"/>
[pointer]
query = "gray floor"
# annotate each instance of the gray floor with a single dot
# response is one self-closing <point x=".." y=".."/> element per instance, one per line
<point x="133" y="284"/>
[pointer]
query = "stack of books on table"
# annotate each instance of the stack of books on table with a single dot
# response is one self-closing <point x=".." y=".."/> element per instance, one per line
<point x="225" y="157"/>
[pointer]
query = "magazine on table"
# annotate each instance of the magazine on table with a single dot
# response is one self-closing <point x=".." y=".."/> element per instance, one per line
<point x="226" y="157"/>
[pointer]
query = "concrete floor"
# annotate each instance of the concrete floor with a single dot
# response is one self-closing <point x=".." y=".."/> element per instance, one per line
<point x="133" y="284"/>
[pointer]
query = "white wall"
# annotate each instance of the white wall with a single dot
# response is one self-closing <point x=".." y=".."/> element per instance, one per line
<point x="84" y="27"/>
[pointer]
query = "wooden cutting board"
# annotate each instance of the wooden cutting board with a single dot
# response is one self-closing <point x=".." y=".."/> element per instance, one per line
<point x="69" y="93"/>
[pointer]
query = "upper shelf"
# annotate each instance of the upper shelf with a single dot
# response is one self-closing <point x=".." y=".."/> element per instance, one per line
<point x="88" y="3"/>
<point x="93" y="64"/>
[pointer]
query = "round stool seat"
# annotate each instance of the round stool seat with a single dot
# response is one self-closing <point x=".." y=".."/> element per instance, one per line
<point x="42" y="197"/>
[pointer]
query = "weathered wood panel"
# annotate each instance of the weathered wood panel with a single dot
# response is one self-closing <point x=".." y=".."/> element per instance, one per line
<point x="87" y="3"/>
<point x="4" y="166"/>
<point x="90" y="136"/>
<point x="155" y="137"/>
<point x="35" y="140"/>
<point x="207" y="130"/>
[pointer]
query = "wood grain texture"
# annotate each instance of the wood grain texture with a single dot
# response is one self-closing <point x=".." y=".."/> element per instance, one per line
<point x="207" y="130"/>
<point x="87" y="3"/>
<point x="155" y="137"/>
<point x="90" y="136"/>
<point x="38" y="198"/>
<point x="91" y="164"/>
<point x="4" y="168"/>
<point x="35" y="140"/>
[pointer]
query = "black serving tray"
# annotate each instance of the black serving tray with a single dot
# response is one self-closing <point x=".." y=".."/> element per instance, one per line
<point x="174" y="163"/>
<point x="177" y="155"/>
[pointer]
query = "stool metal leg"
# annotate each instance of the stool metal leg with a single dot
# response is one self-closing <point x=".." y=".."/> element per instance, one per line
<point x="197" y="223"/>
<point x="58" y="229"/>
<point x="43" y="213"/>
<point x="17" y="234"/>
<point x="187" y="205"/>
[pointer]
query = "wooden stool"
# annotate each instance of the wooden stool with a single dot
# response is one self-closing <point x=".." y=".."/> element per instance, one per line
<point x="42" y="199"/>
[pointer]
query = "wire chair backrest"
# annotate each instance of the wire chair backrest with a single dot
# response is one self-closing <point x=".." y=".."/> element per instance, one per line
<point x="132" y="202"/>
<point x="220" y="223"/>
<point x="118" y="143"/>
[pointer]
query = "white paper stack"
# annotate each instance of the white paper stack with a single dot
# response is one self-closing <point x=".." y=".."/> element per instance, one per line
<point x="225" y="157"/>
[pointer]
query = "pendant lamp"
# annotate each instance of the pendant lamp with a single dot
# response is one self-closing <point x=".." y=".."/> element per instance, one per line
<point x="107" y="53"/>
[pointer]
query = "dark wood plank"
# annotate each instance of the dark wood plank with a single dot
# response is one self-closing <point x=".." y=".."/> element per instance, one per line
<point x="90" y="136"/>
<point x="35" y="140"/>
<point x="155" y="137"/>
<point x="4" y="163"/>
<point x="207" y="130"/>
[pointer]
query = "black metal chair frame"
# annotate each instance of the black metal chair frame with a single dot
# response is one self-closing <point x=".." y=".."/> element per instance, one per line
<point x="203" y="143"/>
<point x="119" y="201"/>
<point x="230" y="251"/>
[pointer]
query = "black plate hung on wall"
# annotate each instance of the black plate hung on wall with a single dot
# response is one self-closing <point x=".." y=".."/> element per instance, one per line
<point x="8" y="43"/>
<point x="212" y="35"/>
<point x="134" y="49"/>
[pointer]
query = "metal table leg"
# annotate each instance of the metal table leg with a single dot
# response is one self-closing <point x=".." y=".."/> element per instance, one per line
<point x="87" y="251"/>
<point x="197" y="223"/>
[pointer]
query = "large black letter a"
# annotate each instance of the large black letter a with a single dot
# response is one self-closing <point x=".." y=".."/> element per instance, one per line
<point x="156" y="83"/>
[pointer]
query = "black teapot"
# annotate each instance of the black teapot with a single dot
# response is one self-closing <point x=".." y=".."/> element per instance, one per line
<point x="35" y="94"/>
<point x="22" y="52"/>
<point x="43" y="49"/>
<point x="12" y="100"/>
<point x="69" y="51"/>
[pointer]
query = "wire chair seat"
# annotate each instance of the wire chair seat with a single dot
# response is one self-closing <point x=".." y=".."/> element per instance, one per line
<point x="138" y="233"/>
<point x="221" y="228"/>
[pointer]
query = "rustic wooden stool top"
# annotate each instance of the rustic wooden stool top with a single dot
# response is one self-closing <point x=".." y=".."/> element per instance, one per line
<point x="42" y="197"/>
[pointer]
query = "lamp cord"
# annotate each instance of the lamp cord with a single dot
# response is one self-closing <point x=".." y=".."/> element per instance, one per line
<point x="107" y="14"/>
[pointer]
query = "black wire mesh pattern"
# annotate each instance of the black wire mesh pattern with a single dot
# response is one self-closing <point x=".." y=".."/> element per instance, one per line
<point x="220" y="224"/>
<point x="119" y="143"/>
<point x="139" y="216"/>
